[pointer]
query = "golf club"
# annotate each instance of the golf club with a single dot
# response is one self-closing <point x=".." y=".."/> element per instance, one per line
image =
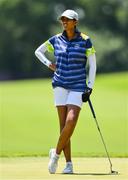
<point x="94" y="115"/>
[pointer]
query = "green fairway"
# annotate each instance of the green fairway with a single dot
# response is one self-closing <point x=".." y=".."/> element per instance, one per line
<point x="29" y="123"/>
<point x="84" y="168"/>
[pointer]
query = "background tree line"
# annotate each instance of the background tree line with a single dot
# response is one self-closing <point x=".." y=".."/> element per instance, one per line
<point x="24" y="25"/>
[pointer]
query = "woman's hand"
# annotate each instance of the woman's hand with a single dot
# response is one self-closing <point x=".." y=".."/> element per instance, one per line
<point x="86" y="94"/>
<point x="52" y="67"/>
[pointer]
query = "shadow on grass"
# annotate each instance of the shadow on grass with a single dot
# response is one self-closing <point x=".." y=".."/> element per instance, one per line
<point x="90" y="174"/>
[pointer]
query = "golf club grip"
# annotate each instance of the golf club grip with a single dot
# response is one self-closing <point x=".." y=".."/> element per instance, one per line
<point x="91" y="107"/>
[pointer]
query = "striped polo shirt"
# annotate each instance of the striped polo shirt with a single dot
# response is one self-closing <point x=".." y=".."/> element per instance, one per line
<point x="71" y="57"/>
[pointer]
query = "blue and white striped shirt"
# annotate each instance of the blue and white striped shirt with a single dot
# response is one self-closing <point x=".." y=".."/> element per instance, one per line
<point x="71" y="57"/>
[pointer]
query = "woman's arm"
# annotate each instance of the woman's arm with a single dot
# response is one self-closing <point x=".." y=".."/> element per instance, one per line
<point x="40" y="54"/>
<point x="92" y="70"/>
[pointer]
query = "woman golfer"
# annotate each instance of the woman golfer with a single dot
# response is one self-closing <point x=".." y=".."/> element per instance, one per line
<point x="71" y="49"/>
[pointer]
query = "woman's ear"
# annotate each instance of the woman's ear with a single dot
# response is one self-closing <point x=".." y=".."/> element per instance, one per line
<point x="76" y="22"/>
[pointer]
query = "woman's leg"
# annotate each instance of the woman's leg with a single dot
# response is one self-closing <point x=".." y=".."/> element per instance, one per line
<point x="66" y="133"/>
<point x="62" y="113"/>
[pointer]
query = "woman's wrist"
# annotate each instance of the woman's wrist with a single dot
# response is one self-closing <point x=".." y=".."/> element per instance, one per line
<point x="52" y="66"/>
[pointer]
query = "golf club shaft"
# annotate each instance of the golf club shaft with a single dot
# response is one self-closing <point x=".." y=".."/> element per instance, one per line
<point x="94" y="115"/>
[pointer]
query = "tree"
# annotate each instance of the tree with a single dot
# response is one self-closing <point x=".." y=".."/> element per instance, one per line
<point x="24" y="25"/>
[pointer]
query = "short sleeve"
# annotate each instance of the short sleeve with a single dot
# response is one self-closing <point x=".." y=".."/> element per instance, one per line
<point x="89" y="48"/>
<point x="50" y="44"/>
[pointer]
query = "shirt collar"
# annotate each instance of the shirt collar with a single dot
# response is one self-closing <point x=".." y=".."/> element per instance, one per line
<point x="64" y="34"/>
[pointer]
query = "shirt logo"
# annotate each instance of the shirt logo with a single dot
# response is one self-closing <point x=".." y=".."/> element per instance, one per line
<point x="76" y="46"/>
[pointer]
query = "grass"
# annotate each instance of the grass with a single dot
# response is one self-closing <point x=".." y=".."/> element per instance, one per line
<point x="29" y="123"/>
<point x="84" y="168"/>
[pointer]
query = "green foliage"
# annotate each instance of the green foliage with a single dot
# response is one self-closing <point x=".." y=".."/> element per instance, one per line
<point x="29" y="122"/>
<point x="24" y="25"/>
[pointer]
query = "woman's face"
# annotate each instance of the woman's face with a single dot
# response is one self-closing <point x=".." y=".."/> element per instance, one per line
<point x="67" y="23"/>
